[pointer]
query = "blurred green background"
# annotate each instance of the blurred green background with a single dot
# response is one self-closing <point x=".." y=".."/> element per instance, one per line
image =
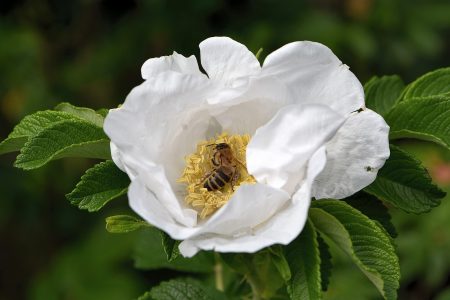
<point x="89" y="53"/>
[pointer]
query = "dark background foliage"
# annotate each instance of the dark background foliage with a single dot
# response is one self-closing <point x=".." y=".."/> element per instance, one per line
<point x="89" y="53"/>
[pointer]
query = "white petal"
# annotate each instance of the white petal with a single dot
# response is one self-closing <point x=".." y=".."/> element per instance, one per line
<point x="154" y="178"/>
<point x="354" y="156"/>
<point x="145" y="203"/>
<point x="159" y="123"/>
<point x="289" y="222"/>
<point x="250" y="206"/>
<point x="245" y="112"/>
<point x="154" y="181"/>
<point x="116" y="157"/>
<point x="164" y="110"/>
<point x="316" y="75"/>
<point x="175" y="62"/>
<point x="243" y="244"/>
<point x="279" y="150"/>
<point x="226" y="60"/>
<point x="282" y="228"/>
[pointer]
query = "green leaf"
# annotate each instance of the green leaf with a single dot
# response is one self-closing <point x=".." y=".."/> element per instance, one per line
<point x="258" y="53"/>
<point x="304" y="261"/>
<point x="362" y="239"/>
<point x="422" y="118"/>
<point x="170" y="246"/>
<point x="146" y="296"/>
<point x="70" y="138"/>
<point x="83" y="113"/>
<point x="325" y="262"/>
<point x="102" y="112"/>
<point x="280" y="262"/>
<point x="404" y="183"/>
<point x="177" y="289"/>
<point x="149" y="255"/>
<point x="259" y="270"/>
<point x="431" y="84"/>
<point x="124" y="223"/>
<point x="373" y="208"/>
<point x="239" y="262"/>
<point x="29" y="127"/>
<point x="99" y="185"/>
<point x="382" y="93"/>
<point x="33" y="124"/>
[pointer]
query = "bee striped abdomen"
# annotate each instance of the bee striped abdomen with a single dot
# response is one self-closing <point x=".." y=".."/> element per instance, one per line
<point x="216" y="180"/>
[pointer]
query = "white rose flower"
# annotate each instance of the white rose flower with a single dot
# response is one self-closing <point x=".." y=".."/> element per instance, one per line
<point x="295" y="127"/>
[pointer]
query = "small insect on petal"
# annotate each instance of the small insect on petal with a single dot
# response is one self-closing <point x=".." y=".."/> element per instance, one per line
<point x="214" y="172"/>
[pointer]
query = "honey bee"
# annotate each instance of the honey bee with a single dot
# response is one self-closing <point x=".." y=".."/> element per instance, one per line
<point x="225" y="169"/>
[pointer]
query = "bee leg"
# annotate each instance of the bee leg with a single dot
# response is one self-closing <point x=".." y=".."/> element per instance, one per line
<point x="216" y="160"/>
<point x="234" y="178"/>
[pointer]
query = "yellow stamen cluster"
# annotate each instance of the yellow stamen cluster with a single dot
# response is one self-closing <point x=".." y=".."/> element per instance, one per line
<point x="199" y="164"/>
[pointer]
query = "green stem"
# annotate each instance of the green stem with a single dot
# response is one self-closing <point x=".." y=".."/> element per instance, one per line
<point x="258" y="54"/>
<point x="218" y="273"/>
<point x="253" y="284"/>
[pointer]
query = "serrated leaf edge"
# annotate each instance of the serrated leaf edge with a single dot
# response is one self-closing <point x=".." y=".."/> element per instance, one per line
<point x="78" y="201"/>
<point x="439" y="193"/>
<point x="407" y="91"/>
<point x="365" y="269"/>
<point x="19" y="164"/>
<point x="27" y="137"/>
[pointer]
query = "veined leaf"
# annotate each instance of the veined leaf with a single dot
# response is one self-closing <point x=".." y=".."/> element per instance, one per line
<point x="304" y="260"/>
<point x="364" y="241"/>
<point x="383" y="93"/>
<point x="83" y="113"/>
<point x="422" y="118"/>
<point x="170" y="246"/>
<point x="259" y="269"/>
<point x="33" y="124"/>
<point x="280" y="262"/>
<point x="149" y="255"/>
<point x="373" y="208"/>
<point x="325" y="262"/>
<point x="99" y="185"/>
<point x="182" y="289"/>
<point x="124" y="223"/>
<point x="70" y="138"/>
<point x="29" y="127"/>
<point x="431" y="84"/>
<point x="404" y="183"/>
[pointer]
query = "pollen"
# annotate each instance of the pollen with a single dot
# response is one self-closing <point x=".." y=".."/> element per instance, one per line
<point x="203" y="166"/>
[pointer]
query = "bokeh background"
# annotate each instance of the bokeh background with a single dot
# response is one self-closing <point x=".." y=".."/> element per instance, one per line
<point x="89" y="53"/>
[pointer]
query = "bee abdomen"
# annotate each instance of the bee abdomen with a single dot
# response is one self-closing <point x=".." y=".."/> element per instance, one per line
<point x="217" y="180"/>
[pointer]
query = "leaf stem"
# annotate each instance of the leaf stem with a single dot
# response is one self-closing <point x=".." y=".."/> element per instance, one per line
<point x="255" y="290"/>
<point x="218" y="273"/>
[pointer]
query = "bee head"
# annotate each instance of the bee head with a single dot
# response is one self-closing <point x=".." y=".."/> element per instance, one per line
<point x="221" y="146"/>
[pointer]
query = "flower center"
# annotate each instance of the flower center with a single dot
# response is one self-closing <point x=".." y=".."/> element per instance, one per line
<point x="215" y="171"/>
